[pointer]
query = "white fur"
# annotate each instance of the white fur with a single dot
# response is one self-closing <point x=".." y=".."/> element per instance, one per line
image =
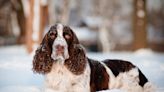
<point x="127" y="81"/>
<point x="60" y="41"/>
<point x="60" y="79"/>
<point x="149" y="87"/>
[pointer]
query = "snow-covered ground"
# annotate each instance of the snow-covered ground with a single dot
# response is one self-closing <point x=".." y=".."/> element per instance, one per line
<point x="16" y="74"/>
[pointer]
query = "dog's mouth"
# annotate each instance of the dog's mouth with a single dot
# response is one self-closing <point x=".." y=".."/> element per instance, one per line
<point x="59" y="56"/>
<point x="59" y="53"/>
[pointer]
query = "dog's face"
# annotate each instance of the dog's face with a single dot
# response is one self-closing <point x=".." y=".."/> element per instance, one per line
<point x="58" y="45"/>
<point x="61" y="38"/>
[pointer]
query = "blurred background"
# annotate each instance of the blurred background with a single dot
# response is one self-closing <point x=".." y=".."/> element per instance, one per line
<point x="101" y="26"/>
<point x="124" y="29"/>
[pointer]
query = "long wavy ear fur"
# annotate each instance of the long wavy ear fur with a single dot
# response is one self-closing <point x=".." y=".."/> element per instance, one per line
<point x="77" y="58"/>
<point x="77" y="61"/>
<point x="42" y="62"/>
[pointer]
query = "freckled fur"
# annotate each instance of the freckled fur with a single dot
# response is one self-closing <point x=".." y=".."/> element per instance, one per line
<point x="42" y="62"/>
<point x="62" y="42"/>
<point x="64" y="80"/>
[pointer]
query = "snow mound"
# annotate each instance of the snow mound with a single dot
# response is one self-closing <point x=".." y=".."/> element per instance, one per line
<point x="144" y="52"/>
<point x="20" y="89"/>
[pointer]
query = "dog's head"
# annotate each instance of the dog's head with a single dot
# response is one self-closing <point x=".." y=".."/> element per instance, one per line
<point x="59" y="45"/>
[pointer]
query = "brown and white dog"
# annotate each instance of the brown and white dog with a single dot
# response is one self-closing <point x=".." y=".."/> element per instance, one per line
<point x="66" y="67"/>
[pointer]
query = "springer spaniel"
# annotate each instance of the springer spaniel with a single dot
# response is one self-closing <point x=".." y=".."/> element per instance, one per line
<point x="66" y="67"/>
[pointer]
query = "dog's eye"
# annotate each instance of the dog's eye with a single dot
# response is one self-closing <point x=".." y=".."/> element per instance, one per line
<point x="67" y="36"/>
<point x="52" y="34"/>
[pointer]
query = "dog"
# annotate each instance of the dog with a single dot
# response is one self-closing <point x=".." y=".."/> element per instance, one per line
<point x="63" y="61"/>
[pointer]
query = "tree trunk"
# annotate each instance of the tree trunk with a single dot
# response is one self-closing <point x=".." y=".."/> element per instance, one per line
<point x="21" y="21"/>
<point x="43" y="19"/>
<point x="51" y="12"/>
<point x="29" y="25"/>
<point x="139" y="24"/>
<point x="65" y="12"/>
<point x="104" y="38"/>
<point x="103" y="27"/>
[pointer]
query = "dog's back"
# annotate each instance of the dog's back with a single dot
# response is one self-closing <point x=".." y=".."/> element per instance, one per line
<point x="118" y="74"/>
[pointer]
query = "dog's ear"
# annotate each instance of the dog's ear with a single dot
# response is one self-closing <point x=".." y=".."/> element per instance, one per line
<point x="77" y="60"/>
<point x="42" y="62"/>
<point x="75" y="39"/>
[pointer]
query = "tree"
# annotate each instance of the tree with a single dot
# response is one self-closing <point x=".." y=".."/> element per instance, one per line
<point x="36" y="12"/>
<point x="51" y="12"/>
<point x="140" y="24"/>
<point x="106" y="9"/>
<point x="18" y="8"/>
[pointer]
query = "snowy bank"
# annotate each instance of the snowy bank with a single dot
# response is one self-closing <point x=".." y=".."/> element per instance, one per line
<point x="16" y="74"/>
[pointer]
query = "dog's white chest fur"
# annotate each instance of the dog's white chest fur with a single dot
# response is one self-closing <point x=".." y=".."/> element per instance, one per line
<point x="60" y="79"/>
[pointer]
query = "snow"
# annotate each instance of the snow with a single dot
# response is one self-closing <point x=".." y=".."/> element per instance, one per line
<point x="16" y="68"/>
